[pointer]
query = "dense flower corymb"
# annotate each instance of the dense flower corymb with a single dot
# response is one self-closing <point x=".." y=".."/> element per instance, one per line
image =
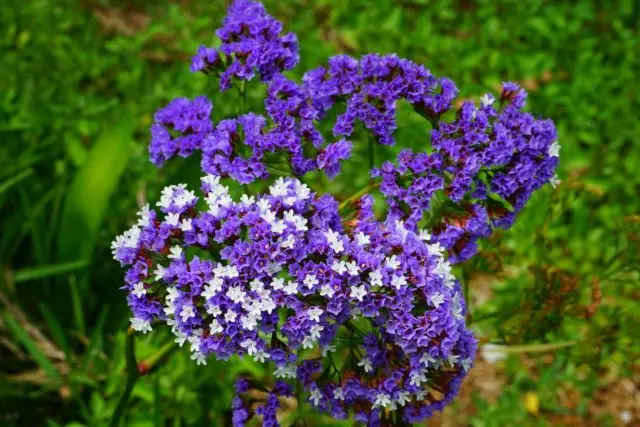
<point x="286" y="255"/>
<point x="359" y="308"/>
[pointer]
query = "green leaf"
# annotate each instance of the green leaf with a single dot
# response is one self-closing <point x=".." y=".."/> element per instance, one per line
<point x="32" y="273"/>
<point x="88" y="197"/>
<point x="503" y="202"/>
<point x="32" y="347"/>
<point x="7" y="184"/>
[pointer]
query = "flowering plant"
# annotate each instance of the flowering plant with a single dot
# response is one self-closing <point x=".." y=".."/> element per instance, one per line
<point x="356" y="306"/>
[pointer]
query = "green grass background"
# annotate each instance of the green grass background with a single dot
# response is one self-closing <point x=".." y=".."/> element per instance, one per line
<point x="79" y="83"/>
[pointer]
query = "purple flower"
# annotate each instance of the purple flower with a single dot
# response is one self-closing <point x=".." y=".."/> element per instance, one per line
<point x="251" y="42"/>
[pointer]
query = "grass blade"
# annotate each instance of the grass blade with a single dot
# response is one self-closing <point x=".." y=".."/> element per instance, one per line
<point x="33" y="273"/>
<point x="32" y="347"/>
<point x="88" y="196"/>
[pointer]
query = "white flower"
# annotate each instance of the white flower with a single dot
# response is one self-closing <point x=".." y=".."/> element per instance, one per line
<point x="301" y="223"/>
<point x="250" y="346"/>
<point x="289" y="242"/>
<point x="487" y="100"/>
<point x="375" y="278"/>
<point x="172" y="219"/>
<point x="421" y="395"/>
<point x="278" y="227"/>
<point x="285" y="371"/>
<point x="212" y="288"/>
<point x="144" y="219"/>
<point x="453" y="359"/>
<point x="158" y="273"/>
<point x="199" y="358"/>
<point x="277" y="283"/>
<point x="403" y="398"/>
<point x="554" y="181"/>
<point x="436" y="249"/>
<point x="140" y="325"/>
<point x="398" y="281"/>
<point x="339" y="267"/>
<point x="328" y="349"/>
<point x="236" y="294"/>
<point x="249" y="323"/>
<point x="139" y="290"/>
<point x="185" y="198"/>
<point x="215" y="327"/>
<point x="310" y="280"/>
<point x="175" y="252"/>
<point x="358" y="292"/>
<point x="187" y="312"/>
<point x="261" y="356"/>
<point x="231" y="272"/>
<point x="263" y="205"/>
<point x="327" y="291"/>
<point x="554" y="149"/>
<point x="214" y="310"/>
<point x="362" y="239"/>
<point x="418" y="378"/>
<point x="466" y="364"/>
<point x="427" y="360"/>
<point x="392" y="262"/>
<point x="436" y="299"/>
<point x="128" y="239"/>
<point x="195" y="340"/>
<point x="401" y="229"/>
<point x="273" y="268"/>
<point x="212" y="181"/>
<point x="424" y="235"/>
<point x="279" y="188"/>
<point x="246" y="200"/>
<point x="365" y="363"/>
<point x="315" y="396"/>
<point x="456" y="306"/>
<point x="338" y="393"/>
<point x="180" y="338"/>
<point x="291" y="288"/>
<point x="315" y="313"/>
<point x="302" y="191"/>
<point x="353" y="269"/>
<point x="269" y="216"/>
<point x="186" y="225"/>
<point x="333" y="239"/>
<point x="382" y="400"/>
<point x="230" y="316"/>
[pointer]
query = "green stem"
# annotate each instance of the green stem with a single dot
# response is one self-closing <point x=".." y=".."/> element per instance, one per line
<point x="358" y="195"/>
<point x="152" y="361"/>
<point x="536" y="348"/>
<point x="372" y="154"/>
<point x="132" y="377"/>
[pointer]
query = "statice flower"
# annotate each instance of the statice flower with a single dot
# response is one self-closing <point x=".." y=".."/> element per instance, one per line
<point x="289" y="278"/>
<point x="371" y="87"/>
<point x="179" y="128"/>
<point x="486" y="164"/>
<point x="359" y="308"/>
<point x="251" y="43"/>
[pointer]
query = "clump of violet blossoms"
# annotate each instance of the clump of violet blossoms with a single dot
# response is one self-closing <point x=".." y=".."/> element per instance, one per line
<point x="359" y="312"/>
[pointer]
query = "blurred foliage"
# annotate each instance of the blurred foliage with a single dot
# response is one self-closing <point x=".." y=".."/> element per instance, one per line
<point x="80" y="80"/>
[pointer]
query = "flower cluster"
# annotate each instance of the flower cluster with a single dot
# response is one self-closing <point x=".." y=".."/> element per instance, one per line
<point x="291" y="279"/>
<point x="360" y="309"/>
<point x="251" y="42"/>
<point x="371" y="87"/>
<point x="487" y="163"/>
